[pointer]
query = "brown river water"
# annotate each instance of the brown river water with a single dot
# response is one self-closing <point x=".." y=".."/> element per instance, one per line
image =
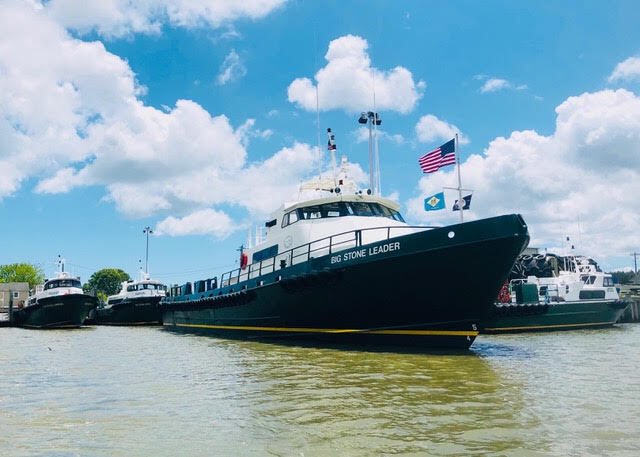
<point x="127" y="391"/>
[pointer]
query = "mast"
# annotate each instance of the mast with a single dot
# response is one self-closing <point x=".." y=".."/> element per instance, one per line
<point x="147" y="230"/>
<point x="460" y="201"/>
<point x="373" y="120"/>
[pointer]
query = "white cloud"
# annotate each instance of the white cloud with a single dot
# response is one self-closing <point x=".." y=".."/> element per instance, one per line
<point x="429" y="129"/>
<point x="203" y="222"/>
<point x="231" y="69"/>
<point x="496" y="84"/>
<point x="348" y="81"/>
<point x="117" y="18"/>
<point x="581" y="181"/>
<point x="70" y="116"/>
<point x="626" y="70"/>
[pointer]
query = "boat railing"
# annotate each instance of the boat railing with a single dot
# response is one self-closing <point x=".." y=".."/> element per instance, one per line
<point x="318" y="248"/>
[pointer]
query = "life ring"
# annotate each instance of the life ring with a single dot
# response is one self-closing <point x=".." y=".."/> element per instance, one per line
<point x="244" y="260"/>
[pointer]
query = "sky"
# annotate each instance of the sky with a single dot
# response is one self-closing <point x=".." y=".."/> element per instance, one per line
<point x="199" y="118"/>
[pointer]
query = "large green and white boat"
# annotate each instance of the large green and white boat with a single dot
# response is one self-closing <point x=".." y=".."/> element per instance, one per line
<point x="343" y="266"/>
<point x="552" y="292"/>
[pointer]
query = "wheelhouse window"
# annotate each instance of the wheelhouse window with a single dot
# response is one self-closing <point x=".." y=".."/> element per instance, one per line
<point x="62" y="283"/>
<point x="338" y="209"/>
<point x="608" y="281"/>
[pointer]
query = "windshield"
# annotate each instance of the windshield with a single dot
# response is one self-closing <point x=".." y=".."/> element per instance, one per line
<point x="62" y="283"/>
<point x="338" y="209"/>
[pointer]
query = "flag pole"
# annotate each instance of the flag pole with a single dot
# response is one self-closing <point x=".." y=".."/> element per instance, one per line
<point x="460" y="201"/>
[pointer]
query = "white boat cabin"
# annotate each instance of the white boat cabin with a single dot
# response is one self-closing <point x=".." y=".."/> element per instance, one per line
<point x="63" y="284"/>
<point x="579" y="279"/>
<point x="336" y="218"/>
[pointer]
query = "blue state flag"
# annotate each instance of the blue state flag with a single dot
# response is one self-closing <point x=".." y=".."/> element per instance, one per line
<point x="435" y="202"/>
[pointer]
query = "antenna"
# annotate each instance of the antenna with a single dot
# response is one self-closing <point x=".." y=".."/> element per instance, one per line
<point x="147" y="230"/>
<point x="373" y="120"/>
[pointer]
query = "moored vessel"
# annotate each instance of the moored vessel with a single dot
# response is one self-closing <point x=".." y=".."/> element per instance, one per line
<point x="137" y="303"/>
<point x="59" y="303"/>
<point x="551" y="292"/>
<point x="344" y="266"/>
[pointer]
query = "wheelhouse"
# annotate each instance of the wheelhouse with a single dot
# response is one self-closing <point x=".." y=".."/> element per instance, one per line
<point x="55" y="283"/>
<point x="146" y="286"/>
<point x="339" y="209"/>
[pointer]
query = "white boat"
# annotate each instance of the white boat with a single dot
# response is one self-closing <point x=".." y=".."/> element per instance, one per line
<point x="556" y="293"/>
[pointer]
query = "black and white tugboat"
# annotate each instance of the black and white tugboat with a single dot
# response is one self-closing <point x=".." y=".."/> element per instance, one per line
<point x="343" y="266"/>
<point x="552" y="292"/>
<point x="137" y="303"/>
<point x="59" y="303"/>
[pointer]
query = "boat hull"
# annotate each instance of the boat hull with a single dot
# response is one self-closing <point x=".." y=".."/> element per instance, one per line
<point x="428" y="289"/>
<point x="135" y="311"/>
<point x="62" y="311"/>
<point x="554" y="316"/>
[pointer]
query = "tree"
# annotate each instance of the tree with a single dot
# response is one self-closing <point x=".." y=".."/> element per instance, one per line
<point x="622" y="277"/>
<point x="21" y="272"/>
<point x="106" y="282"/>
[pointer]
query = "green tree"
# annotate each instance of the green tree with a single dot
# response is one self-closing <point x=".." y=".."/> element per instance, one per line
<point x="622" y="277"/>
<point x="21" y="272"/>
<point x="106" y="282"/>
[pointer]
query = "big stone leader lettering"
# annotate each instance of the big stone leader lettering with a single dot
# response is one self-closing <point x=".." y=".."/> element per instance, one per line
<point x="362" y="253"/>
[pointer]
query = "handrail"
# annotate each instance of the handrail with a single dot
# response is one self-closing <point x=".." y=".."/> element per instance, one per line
<point x="330" y="244"/>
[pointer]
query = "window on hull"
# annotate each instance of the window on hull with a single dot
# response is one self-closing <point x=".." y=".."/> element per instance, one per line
<point x="340" y="209"/>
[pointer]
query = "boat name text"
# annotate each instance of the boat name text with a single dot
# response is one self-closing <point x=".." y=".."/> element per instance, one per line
<point x="361" y="253"/>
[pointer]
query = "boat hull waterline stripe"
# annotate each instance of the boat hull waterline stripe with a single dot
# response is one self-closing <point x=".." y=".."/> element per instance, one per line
<point x="335" y="330"/>
<point x="528" y="327"/>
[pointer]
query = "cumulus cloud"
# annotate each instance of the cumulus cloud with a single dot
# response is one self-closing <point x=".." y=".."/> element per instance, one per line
<point x="348" y="82"/>
<point x="581" y="181"/>
<point x="202" y="222"/>
<point x="231" y="69"/>
<point x="71" y="116"/>
<point x="626" y="70"/>
<point x="429" y="129"/>
<point x="117" y="18"/>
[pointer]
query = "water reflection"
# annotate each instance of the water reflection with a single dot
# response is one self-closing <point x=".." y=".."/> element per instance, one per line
<point x="359" y="402"/>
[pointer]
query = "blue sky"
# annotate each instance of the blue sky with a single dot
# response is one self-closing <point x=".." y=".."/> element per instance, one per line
<point x="199" y="120"/>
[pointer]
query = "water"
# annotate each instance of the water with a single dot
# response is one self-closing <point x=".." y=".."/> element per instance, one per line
<point x="110" y="391"/>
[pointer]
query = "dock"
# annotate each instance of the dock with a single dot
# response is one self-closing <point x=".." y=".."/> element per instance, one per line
<point x="631" y="294"/>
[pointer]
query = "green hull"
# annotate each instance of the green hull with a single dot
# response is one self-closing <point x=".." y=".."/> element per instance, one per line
<point x="409" y="294"/>
<point x="144" y="311"/>
<point x="64" y="311"/>
<point x="554" y="316"/>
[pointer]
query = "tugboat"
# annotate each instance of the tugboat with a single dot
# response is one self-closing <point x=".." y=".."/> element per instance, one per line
<point x="137" y="303"/>
<point x="342" y="266"/>
<point x="60" y="303"/>
<point x="551" y="292"/>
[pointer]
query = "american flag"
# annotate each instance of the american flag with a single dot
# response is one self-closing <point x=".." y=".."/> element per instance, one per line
<point x="444" y="155"/>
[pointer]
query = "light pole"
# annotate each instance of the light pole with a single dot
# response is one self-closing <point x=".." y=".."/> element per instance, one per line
<point x="147" y="230"/>
<point x="373" y="120"/>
